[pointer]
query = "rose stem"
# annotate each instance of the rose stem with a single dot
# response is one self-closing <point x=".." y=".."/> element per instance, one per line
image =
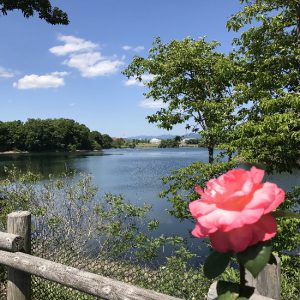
<point x="242" y="281"/>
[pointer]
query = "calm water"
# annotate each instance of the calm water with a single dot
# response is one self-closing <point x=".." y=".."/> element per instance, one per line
<point x="135" y="173"/>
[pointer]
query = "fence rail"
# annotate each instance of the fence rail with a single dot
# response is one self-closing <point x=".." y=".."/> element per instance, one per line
<point x="22" y="265"/>
<point x="15" y="248"/>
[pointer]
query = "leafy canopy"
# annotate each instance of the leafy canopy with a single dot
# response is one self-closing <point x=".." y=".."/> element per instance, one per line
<point x="43" y="8"/>
<point x="269" y="54"/>
<point x="194" y="81"/>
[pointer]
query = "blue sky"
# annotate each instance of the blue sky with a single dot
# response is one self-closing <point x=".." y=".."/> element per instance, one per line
<point x="74" y="71"/>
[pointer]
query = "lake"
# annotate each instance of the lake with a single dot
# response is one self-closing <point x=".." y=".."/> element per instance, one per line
<point x="135" y="173"/>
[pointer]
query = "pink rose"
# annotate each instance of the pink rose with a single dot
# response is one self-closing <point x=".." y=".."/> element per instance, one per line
<point x="234" y="210"/>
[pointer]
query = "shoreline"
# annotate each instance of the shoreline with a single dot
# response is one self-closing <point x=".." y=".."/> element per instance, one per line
<point x="10" y="152"/>
<point x="39" y="152"/>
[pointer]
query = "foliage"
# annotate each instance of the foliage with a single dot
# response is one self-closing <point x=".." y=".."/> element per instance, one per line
<point x="216" y="263"/>
<point x="192" y="141"/>
<point x="177" y="272"/>
<point x="181" y="183"/>
<point x="72" y="225"/>
<point x="50" y="135"/>
<point x="195" y="82"/>
<point x="269" y="56"/>
<point x="169" y="143"/>
<point x="69" y="209"/>
<point x="122" y="143"/>
<point x="287" y="240"/>
<point x="118" y="229"/>
<point x="290" y="286"/>
<point x="106" y="141"/>
<point x="175" y="278"/>
<point x="263" y="96"/>
<point x="52" y="15"/>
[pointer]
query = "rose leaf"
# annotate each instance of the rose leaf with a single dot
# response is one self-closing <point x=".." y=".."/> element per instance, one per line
<point x="223" y="287"/>
<point x="216" y="263"/>
<point x="256" y="257"/>
<point x="226" y="296"/>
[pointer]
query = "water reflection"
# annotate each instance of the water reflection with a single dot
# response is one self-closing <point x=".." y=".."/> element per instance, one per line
<point x="42" y="163"/>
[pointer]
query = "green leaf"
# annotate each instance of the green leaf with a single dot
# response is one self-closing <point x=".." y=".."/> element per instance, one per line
<point x="256" y="257"/>
<point x="224" y="287"/>
<point x="226" y="296"/>
<point x="216" y="263"/>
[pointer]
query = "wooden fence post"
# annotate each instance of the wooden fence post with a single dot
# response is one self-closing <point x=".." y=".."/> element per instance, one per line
<point x="18" y="282"/>
<point x="267" y="283"/>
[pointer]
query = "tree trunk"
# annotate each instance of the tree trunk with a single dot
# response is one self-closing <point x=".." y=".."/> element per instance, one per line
<point x="210" y="155"/>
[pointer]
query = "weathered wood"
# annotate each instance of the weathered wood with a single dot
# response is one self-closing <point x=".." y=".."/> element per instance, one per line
<point x="267" y="282"/>
<point x="89" y="283"/>
<point x="212" y="294"/>
<point x="19" y="282"/>
<point x="19" y="223"/>
<point x="11" y="242"/>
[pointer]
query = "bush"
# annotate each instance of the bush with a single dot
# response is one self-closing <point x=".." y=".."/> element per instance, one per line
<point x="108" y="236"/>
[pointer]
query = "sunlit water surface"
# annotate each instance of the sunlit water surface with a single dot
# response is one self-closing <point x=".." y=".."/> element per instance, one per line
<point x="135" y="173"/>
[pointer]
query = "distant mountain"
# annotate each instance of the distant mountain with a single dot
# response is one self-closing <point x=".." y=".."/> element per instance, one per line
<point x="192" y="136"/>
<point x="149" y="137"/>
<point x="164" y="137"/>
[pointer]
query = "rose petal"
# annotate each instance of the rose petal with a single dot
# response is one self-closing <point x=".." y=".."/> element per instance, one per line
<point x="226" y="220"/>
<point x="220" y="242"/>
<point x="234" y="210"/>
<point x="279" y="197"/>
<point x="239" y="239"/>
<point x="265" y="228"/>
<point x="257" y="175"/>
<point x="268" y="197"/>
<point x="236" y="240"/>
<point x="199" y="208"/>
<point x="200" y="231"/>
<point x="198" y="190"/>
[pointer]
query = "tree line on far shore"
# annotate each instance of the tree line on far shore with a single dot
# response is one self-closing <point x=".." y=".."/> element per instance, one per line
<point x="50" y="135"/>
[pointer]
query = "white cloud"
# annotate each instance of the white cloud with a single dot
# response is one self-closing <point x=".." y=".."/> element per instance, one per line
<point x="150" y="103"/>
<point x="145" y="78"/>
<point x="33" y="81"/>
<point x="126" y="48"/>
<point x="72" y="45"/>
<point x="5" y="73"/>
<point x="82" y="55"/>
<point x="138" y="48"/>
<point x="92" y="64"/>
<point x="134" y="49"/>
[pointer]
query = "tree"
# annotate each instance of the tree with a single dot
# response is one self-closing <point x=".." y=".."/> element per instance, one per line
<point x="43" y="8"/>
<point x="96" y="140"/>
<point x="177" y="138"/>
<point x="50" y="135"/>
<point x="269" y="54"/>
<point x="270" y="91"/>
<point x="169" y="143"/>
<point x="106" y="141"/>
<point x="195" y="82"/>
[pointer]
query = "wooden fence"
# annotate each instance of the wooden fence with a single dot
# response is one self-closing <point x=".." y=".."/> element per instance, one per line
<point x="15" y="248"/>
